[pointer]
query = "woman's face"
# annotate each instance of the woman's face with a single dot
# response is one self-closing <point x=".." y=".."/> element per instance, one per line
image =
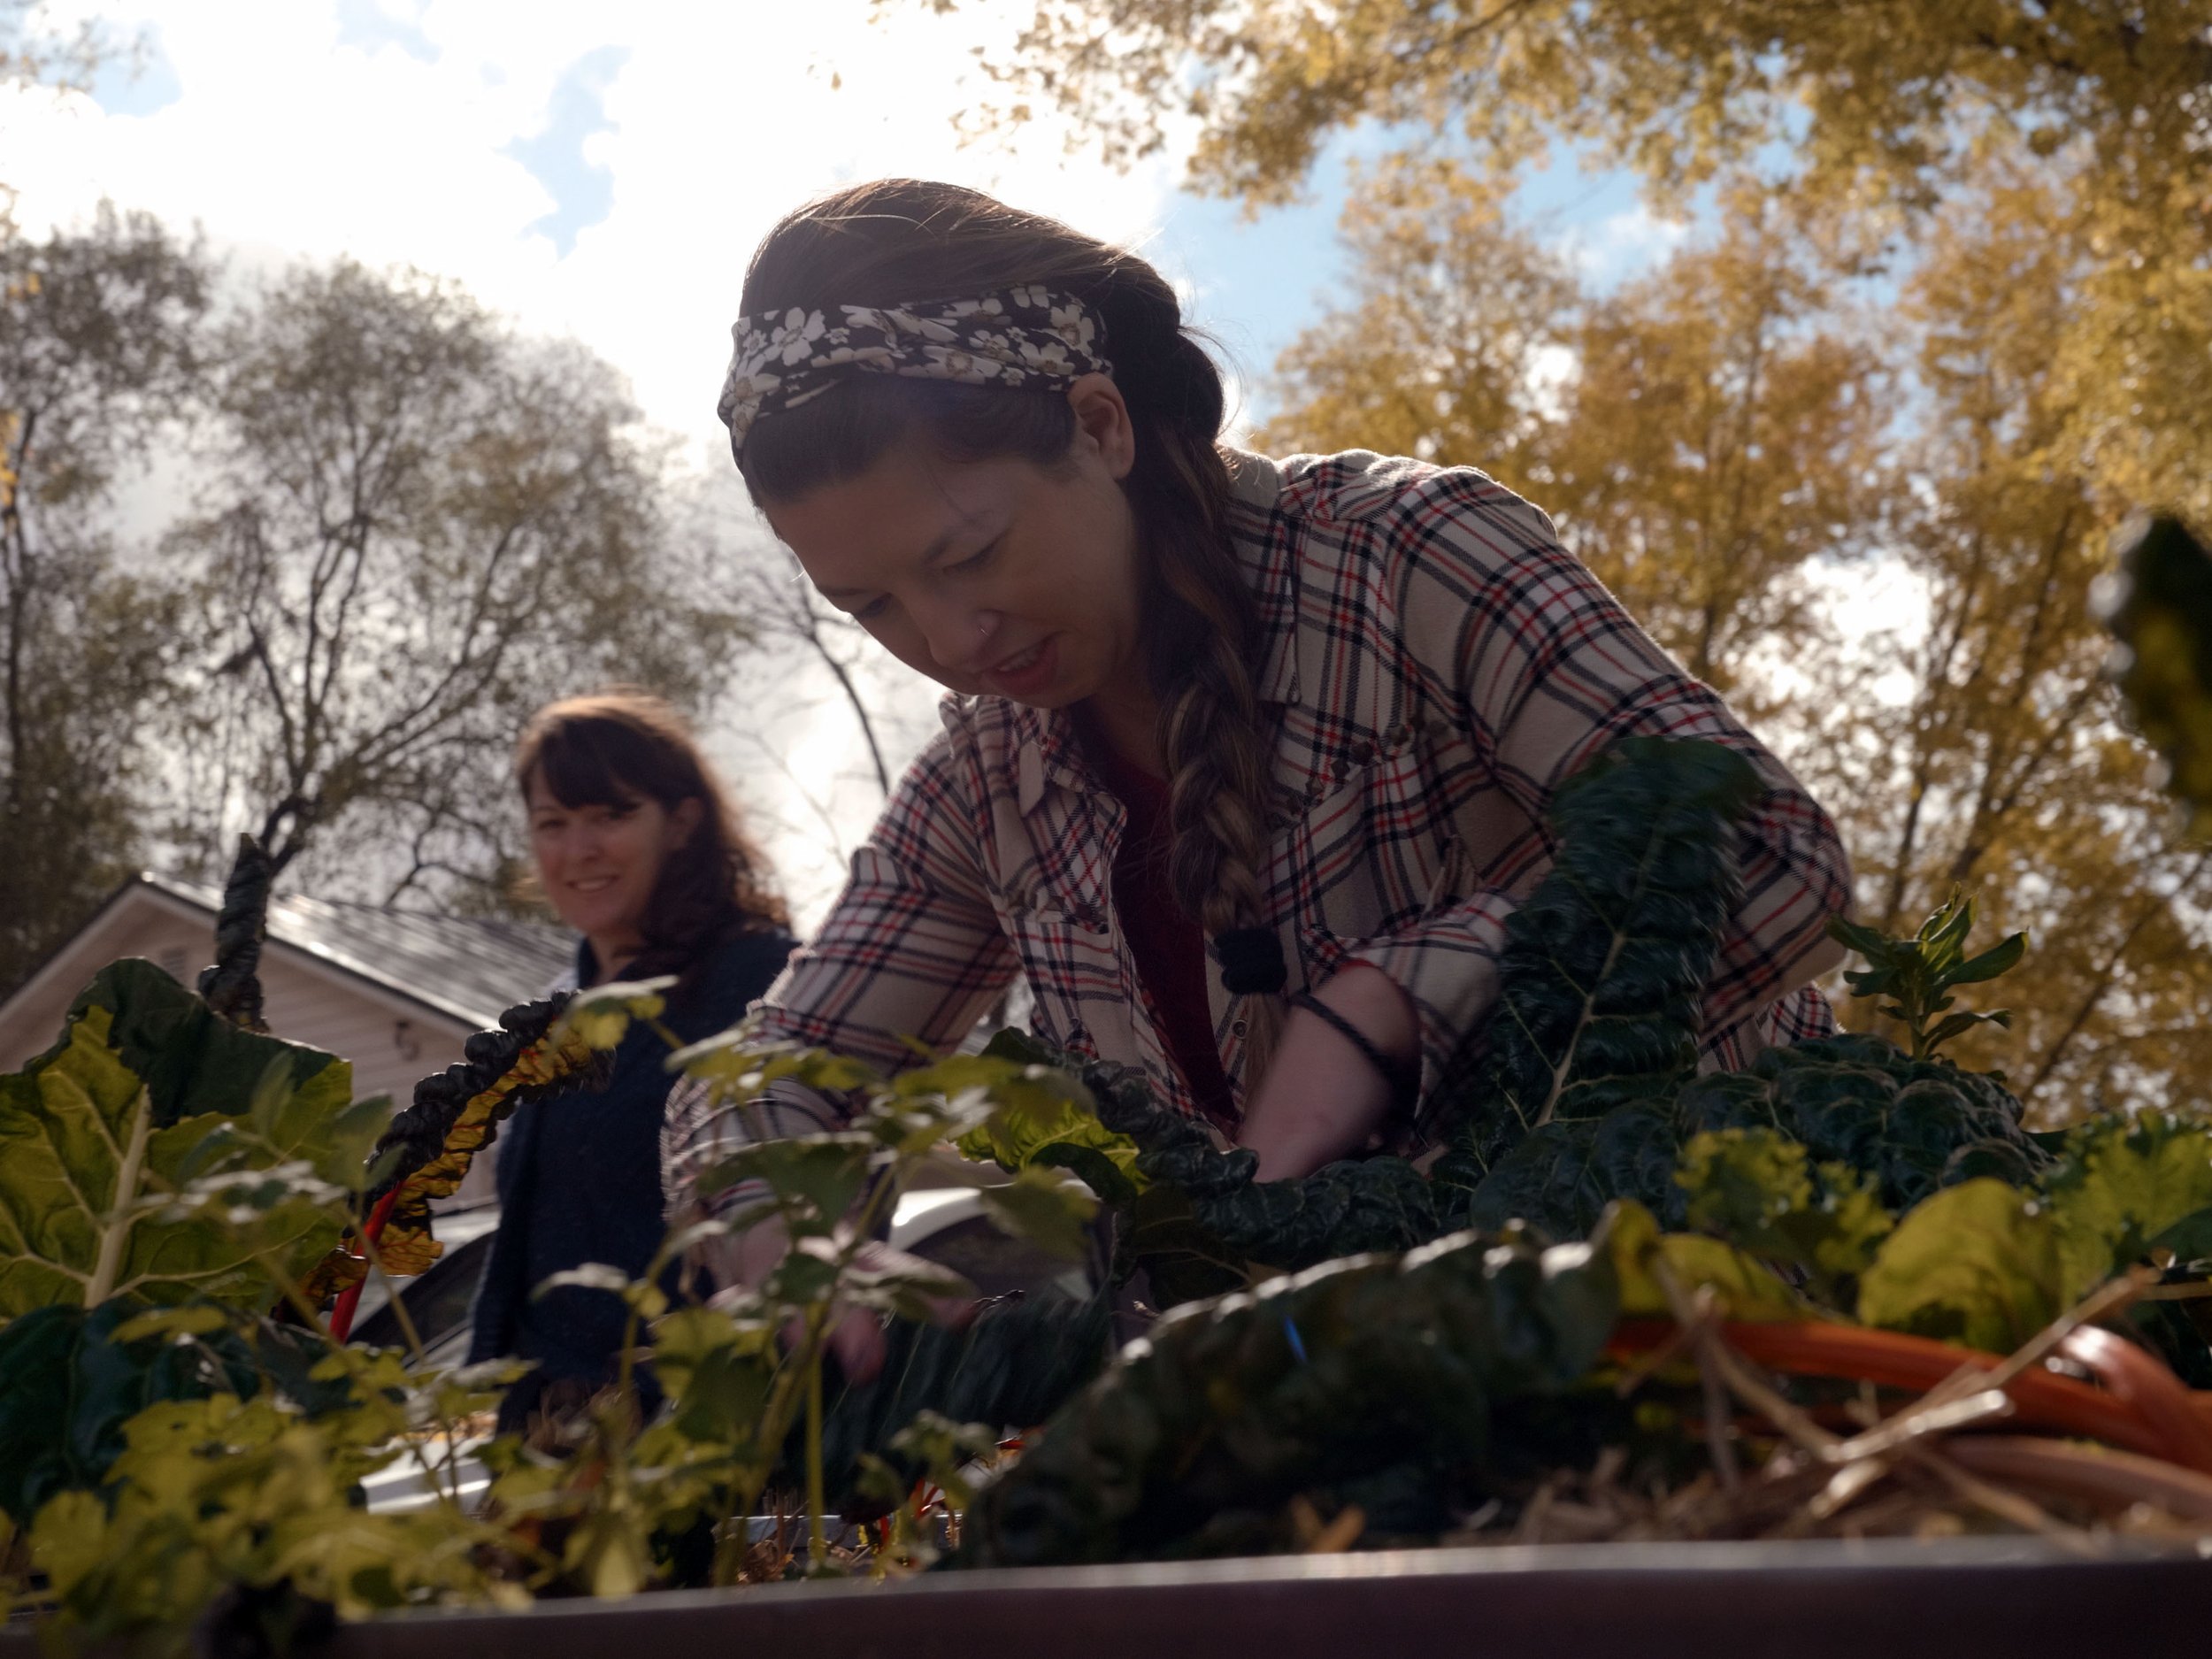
<point x="995" y="576"/>
<point x="598" y="865"/>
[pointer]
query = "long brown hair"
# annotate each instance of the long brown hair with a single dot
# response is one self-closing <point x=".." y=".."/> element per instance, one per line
<point x="619" y="747"/>
<point x="901" y="239"/>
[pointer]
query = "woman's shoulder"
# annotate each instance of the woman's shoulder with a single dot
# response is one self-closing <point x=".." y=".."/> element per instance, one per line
<point x="1365" y="518"/>
<point x="1359" y="486"/>
<point x="740" y="969"/>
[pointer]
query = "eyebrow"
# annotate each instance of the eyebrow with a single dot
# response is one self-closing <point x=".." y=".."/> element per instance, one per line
<point x="930" y="556"/>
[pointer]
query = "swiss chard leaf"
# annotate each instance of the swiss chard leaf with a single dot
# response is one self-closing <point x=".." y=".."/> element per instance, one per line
<point x="1976" y="1264"/>
<point x="110" y="1141"/>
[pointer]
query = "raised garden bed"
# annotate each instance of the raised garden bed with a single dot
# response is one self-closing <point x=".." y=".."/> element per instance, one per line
<point x="1887" y="1599"/>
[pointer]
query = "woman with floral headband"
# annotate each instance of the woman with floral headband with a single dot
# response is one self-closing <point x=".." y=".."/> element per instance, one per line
<point x="1246" y="761"/>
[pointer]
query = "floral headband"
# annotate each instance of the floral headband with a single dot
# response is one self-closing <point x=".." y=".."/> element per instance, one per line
<point x="1028" y="338"/>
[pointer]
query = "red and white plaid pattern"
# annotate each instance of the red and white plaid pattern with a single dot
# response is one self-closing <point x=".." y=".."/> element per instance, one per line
<point x="1439" y="665"/>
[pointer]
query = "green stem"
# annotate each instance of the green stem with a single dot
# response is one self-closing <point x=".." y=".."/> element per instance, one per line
<point x="116" y="1231"/>
<point x="817" y="1545"/>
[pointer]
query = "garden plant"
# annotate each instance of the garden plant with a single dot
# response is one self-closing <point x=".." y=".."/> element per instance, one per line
<point x="1845" y="1291"/>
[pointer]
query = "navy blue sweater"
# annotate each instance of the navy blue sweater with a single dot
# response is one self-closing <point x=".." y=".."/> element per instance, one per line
<point x="579" y="1178"/>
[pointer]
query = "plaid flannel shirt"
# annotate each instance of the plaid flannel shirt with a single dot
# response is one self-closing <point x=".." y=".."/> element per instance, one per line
<point x="1439" y="664"/>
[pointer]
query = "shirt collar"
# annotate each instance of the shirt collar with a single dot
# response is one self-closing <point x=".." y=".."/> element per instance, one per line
<point x="1272" y="566"/>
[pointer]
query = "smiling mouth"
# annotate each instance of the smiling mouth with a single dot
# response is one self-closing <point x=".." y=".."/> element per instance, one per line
<point x="1022" y="664"/>
<point x="595" y="884"/>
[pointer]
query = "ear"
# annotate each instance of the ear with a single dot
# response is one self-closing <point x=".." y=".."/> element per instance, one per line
<point x="685" y="820"/>
<point x="1103" y="418"/>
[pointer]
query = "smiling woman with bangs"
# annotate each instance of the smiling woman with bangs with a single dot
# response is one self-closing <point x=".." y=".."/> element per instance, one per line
<point x="635" y="845"/>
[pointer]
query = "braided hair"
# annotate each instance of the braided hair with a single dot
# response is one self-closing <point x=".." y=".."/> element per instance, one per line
<point x="900" y="240"/>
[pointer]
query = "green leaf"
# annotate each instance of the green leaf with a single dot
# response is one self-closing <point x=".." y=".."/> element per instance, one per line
<point x="1605" y="963"/>
<point x="1976" y="1264"/>
<point x="1384" y="1369"/>
<point x="1041" y="1207"/>
<point x="600" y="1015"/>
<point x="1114" y="1183"/>
<point x="1759" y="1191"/>
<point x="70" y="1380"/>
<point x="2122" y="1182"/>
<point x="905" y="1285"/>
<point x="815" y="1179"/>
<point x="2001" y="958"/>
<point x="136" y="1154"/>
<point x="1050" y="1117"/>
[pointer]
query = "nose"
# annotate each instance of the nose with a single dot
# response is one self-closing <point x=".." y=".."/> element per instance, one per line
<point x="960" y="638"/>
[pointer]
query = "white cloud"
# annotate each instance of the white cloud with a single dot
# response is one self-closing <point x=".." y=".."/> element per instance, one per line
<point x="1623" y="243"/>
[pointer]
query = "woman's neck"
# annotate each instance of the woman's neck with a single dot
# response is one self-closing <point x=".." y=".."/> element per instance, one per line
<point x="610" y="954"/>
<point x="1126" y="718"/>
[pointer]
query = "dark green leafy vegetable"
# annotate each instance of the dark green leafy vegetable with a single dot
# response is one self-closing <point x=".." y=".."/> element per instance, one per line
<point x="1372" y="1379"/>
<point x="1908" y="1126"/>
<point x="1604" y="967"/>
<point x="1020" y="1360"/>
<point x="70" y="1379"/>
<point x="1584" y="1085"/>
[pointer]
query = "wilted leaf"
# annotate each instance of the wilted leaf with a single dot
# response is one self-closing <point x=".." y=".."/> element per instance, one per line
<point x="1745" y="1287"/>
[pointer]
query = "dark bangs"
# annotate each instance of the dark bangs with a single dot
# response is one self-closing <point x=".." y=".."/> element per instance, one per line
<point x="599" y="763"/>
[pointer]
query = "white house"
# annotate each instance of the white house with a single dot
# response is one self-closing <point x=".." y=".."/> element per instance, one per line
<point x="395" y="992"/>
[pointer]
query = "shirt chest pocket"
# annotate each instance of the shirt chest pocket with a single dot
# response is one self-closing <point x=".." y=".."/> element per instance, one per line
<point x="1374" y="853"/>
<point x="1073" y="965"/>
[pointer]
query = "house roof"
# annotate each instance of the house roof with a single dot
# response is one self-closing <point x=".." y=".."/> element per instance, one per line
<point x="472" y="968"/>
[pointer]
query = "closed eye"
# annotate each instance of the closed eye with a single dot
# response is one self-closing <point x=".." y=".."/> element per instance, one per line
<point x="975" y="561"/>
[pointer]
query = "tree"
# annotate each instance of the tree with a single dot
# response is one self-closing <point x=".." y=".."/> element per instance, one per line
<point x="418" y="528"/>
<point x="1875" y="113"/>
<point x="1701" y="437"/>
<point x="33" y="53"/>
<point x="99" y="349"/>
<point x="1885" y="102"/>
<point x="2004" y="767"/>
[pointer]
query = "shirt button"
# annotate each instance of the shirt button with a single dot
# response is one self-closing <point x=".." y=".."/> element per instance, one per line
<point x="1237" y="1028"/>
